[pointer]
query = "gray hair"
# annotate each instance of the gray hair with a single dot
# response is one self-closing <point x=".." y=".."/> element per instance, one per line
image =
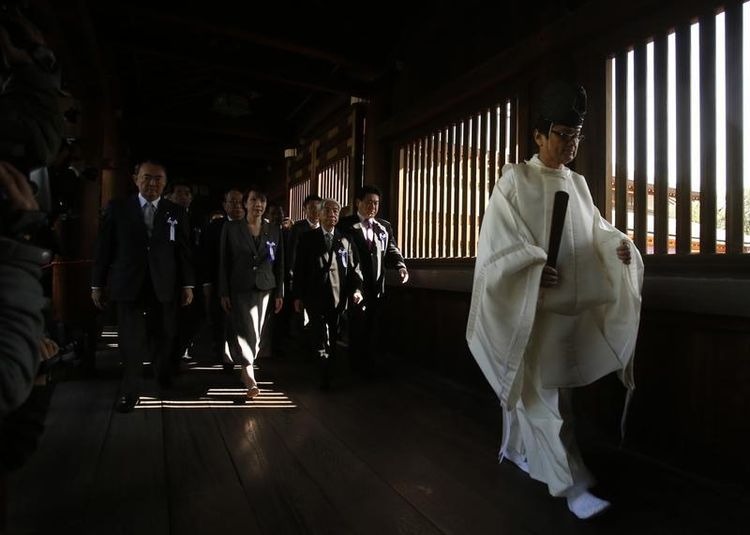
<point x="330" y="201"/>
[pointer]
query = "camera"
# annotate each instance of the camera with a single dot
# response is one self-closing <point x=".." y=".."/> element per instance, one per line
<point x="69" y="354"/>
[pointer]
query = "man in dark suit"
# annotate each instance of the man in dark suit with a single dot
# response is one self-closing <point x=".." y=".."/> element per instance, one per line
<point x="143" y="245"/>
<point x="311" y="221"/>
<point x="299" y="325"/>
<point x="188" y="318"/>
<point x="377" y="250"/>
<point x="222" y="336"/>
<point x="327" y="275"/>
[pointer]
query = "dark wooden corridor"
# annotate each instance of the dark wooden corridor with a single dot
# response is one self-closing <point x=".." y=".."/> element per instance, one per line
<point x="408" y="453"/>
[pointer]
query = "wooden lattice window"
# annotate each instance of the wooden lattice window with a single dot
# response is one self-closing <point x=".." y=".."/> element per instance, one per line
<point x="446" y="178"/>
<point x="297" y="194"/>
<point x="678" y="162"/>
<point x="333" y="181"/>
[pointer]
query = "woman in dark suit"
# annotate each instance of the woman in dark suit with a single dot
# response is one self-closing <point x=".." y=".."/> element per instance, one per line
<point x="251" y="274"/>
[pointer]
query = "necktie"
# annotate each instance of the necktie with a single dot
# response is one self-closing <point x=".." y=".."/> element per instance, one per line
<point x="329" y="241"/>
<point x="369" y="233"/>
<point x="148" y="217"/>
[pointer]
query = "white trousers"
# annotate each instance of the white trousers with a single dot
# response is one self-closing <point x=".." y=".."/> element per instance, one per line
<point x="540" y="428"/>
<point x="248" y="317"/>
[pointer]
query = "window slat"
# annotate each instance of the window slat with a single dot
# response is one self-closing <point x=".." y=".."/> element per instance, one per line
<point x="661" y="150"/>
<point x="502" y="139"/>
<point x="434" y="211"/>
<point x="454" y="167"/>
<point x="513" y="137"/>
<point x="476" y="154"/>
<point x="413" y="199"/>
<point x="463" y="195"/>
<point x="682" y="59"/>
<point x="708" y="133"/>
<point x="441" y="192"/>
<point x="492" y="156"/>
<point x="621" y="141"/>
<point x="640" y="190"/>
<point x="734" y="111"/>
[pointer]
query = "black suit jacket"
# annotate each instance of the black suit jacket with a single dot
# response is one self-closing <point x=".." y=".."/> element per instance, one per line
<point x="128" y="255"/>
<point x="208" y="252"/>
<point x="243" y="267"/>
<point x="325" y="280"/>
<point x="373" y="262"/>
<point x="298" y="229"/>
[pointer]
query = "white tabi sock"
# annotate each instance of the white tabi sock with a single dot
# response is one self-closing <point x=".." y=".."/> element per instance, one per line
<point x="584" y="505"/>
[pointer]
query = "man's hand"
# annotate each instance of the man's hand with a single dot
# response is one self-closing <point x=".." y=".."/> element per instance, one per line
<point x="11" y="54"/>
<point x="207" y="292"/>
<point x="298" y="305"/>
<point x="357" y="297"/>
<point x="404" y="274"/>
<point x="623" y="252"/>
<point x="97" y="296"/>
<point x="187" y="296"/>
<point x="226" y="304"/>
<point x="550" y="278"/>
<point x="17" y="188"/>
<point x="278" y="304"/>
<point x="47" y="349"/>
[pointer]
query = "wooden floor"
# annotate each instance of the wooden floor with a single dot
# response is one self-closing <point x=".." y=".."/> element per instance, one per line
<point x="407" y="453"/>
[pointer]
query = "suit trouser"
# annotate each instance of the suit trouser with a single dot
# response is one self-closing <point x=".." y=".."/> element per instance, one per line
<point x="540" y="427"/>
<point x="188" y="324"/>
<point x="324" y="325"/>
<point x="147" y="328"/>
<point x="248" y="318"/>
<point x="223" y="338"/>
<point x="363" y="333"/>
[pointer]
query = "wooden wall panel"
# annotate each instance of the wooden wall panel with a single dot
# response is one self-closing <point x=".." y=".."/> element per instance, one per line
<point x="691" y="399"/>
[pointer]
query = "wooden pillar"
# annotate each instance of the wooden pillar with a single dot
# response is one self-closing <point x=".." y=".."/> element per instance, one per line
<point x="357" y="155"/>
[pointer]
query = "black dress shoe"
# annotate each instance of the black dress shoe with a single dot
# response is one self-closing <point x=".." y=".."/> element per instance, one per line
<point x="126" y="403"/>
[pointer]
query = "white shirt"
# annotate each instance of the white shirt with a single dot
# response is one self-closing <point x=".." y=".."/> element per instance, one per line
<point x="142" y="200"/>
<point x="367" y="224"/>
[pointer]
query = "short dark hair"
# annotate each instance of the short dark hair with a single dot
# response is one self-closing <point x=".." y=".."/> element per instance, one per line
<point x="178" y="183"/>
<point x="233" y="188"/>
<point x="257" y="190"/>
<point x="368" y="189"/>
<point x="311" y="197"/>
<point x="152" y="161"/>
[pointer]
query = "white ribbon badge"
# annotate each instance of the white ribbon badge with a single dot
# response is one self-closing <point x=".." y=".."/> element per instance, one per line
<point x="172" y="224"/>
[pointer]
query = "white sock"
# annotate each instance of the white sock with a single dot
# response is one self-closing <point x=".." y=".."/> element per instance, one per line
<point x="516" y="458"/>
<point x="584" y="505"/>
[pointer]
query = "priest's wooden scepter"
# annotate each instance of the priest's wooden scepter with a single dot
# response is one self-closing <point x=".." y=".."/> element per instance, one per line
<point x="559" y="208"/>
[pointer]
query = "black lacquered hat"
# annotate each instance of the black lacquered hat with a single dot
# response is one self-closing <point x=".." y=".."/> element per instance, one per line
<point x="563" y="103"/>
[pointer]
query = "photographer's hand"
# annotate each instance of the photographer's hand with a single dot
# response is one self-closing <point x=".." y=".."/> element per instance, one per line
<point x="17" y="188"/>
<point x="11" y="54"/>
<point x="47" y="349"/>
<point x="97" y="296"/>
<point x="32" y="33"/>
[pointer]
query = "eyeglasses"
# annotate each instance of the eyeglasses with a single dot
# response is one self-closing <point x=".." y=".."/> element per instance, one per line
<point x="569" y="136"/>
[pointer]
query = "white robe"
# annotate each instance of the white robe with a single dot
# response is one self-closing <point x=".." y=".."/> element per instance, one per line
<point x="585" y="327"/>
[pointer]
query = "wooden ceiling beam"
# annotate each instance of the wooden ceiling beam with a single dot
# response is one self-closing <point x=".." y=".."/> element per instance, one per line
<point x="366" y="72"/>
<point x="235" y="153"/>
<point x="254" y="133"/>
<point x="346" y="88"/>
